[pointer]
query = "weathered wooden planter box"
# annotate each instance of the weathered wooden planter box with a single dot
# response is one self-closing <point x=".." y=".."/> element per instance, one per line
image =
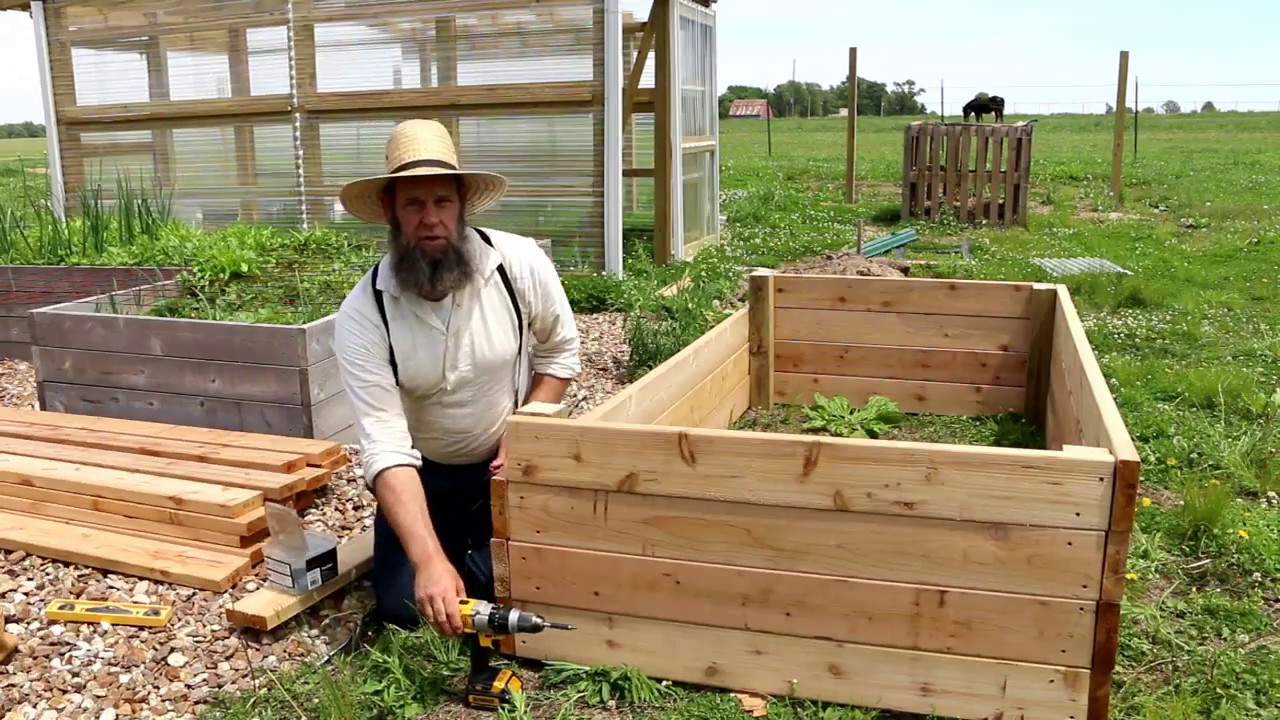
<point x="967" y="581"/>
<point x="103" y="357"/>
<point x="24" y="288"/>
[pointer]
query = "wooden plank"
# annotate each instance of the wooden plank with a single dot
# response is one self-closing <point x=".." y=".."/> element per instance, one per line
<point x="905" y="295"/>
<point x="1052" y="562"/>
<point x="14" y="330"/>
<point x="245" y="525"/>
<point x="760" y="293"/>
<point x="148" y="528"/>
<point x="273" y="486"/>
<point x="153" y="490"/>
<point x="913" y="396"/>
<point x="183" y="376"/>
<point x="1106" y="647"/>
<point x="157" y="447"/>
<point x="730" y="408"/>
<point x="657" y="391"/>
<point x="456" y="97"/>
<point x="330" y="416"/>
<point x="316" y="451"/>
<point x="16" y="350"/>
<point x="927" y="480"/>
<point x="267" y="608"/>
<point x="980" y="192"/>
<point x="692" y="409"/>
<point x="172" y="408"/>
<point x="170" y="337"/>
<point x="997" y="174"/>
<point x="910" y="135"/>
<point x="253" y="552"/>
<point x="964" y="158"/>
<point x="912" y="617"/>
<point x="1043" y="300"/>
<point x="955" y="332"/>
<point x="972" y="367"/>
<point x="160" y="559"/>
<point x="665" y="134"/>
<point x="816" y="669"/>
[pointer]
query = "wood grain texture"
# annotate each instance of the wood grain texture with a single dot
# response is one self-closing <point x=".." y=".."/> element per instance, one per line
<point x="658" y="390"/>
<point x="904" y="295"/>
<point x="244" y="524"/>
<point x="955" y="332"/>
<point x="1040" y="354"/>
<point x="140" y="488"/>
<point x="705" y="398"/>
<point x="817" y="669"/>
<point x="157" y="447"/>
<point x="913" y="617"/>
<point x="913" y="396"/>
<point x="760" y="338"/>
<point x="62" y="327"/>
<point x="159" y="559"/>
<point x="61" y="511"/>
<point x="273" y="486"/>
<point x="1106" y="647"/>
<point x="1050" y="562"/>
<point x="267" y="608"/>
<point x="730" y="408"/>
<point x="985" y="484"/>
<point x="971" y="367"/>
<point x="175" y="408"/>
<point x="316" y="451"/>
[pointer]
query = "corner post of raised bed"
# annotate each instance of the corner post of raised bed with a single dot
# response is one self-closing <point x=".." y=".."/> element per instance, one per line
<point x="501" y="529"/>
<point x="760" y="337"/>
<point x="1044" y="299"/>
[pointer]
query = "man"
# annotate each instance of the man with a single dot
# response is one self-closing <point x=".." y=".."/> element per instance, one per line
<point x="452" y="330"/>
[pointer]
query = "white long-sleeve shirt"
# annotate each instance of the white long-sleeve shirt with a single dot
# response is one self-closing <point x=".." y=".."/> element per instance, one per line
<point x="457" y="386"/>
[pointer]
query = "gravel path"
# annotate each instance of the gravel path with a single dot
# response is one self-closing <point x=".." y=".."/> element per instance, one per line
<point x="100" y="672"/>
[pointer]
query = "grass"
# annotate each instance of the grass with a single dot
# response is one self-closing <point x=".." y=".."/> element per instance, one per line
<point x="1190" y="344"/>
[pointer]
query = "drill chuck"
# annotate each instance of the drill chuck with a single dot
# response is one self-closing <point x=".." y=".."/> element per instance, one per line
<point x="499" y="620"/>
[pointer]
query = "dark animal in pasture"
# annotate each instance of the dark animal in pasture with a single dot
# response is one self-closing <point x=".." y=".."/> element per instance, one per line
<point x="985" y="106"/>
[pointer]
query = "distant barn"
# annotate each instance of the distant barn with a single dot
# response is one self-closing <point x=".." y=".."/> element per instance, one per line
<point x="758" y="109"/>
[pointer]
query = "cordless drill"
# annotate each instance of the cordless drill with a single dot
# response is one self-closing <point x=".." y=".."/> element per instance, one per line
<point x="489" y="620"/>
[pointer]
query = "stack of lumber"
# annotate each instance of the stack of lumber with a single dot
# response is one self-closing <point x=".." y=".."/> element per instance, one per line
<point x="173" y="503"/>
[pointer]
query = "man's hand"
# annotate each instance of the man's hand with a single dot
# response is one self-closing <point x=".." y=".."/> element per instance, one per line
<point x="500" y="461"/>
<point x="436" y="590"/>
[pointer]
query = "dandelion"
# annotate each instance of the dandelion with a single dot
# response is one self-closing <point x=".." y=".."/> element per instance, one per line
<point x="1244" y="534"/>
<point x="1171" y="461"/>
<point x="1131" y="575"/>
<point x="1146" y="502"/>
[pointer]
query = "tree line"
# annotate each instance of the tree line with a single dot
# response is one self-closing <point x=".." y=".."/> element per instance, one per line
<point x="809" y="99"/>
<point x="26" y="129"/>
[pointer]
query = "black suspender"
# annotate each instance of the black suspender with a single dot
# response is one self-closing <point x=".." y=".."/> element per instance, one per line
<point x="511" y="294"/>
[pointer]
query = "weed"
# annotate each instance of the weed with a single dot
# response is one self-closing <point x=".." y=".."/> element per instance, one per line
<point x="604" y="685"/>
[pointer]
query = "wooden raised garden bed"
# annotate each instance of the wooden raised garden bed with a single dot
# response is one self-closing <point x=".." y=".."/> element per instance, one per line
<point x="104" y="357"/>
<point x="24" y="288"/>
<point x="964" y="580"/>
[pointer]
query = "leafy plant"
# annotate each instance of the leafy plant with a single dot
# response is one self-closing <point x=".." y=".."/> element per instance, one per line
<point x="839" y="418"/>
<point x="602" y="685"/>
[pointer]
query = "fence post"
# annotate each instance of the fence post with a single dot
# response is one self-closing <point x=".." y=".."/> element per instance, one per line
<point x="851" y="144"/>
<point x="1117" y="149"/>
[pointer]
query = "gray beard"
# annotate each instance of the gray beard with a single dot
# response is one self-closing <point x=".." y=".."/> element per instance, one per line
<point x="431" y="278"/>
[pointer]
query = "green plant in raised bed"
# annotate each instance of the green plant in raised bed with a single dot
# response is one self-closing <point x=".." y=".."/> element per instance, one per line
<point x="838" y="417"/>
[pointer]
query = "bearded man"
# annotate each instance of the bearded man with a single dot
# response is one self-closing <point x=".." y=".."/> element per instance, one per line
<point x="437" y="345"/>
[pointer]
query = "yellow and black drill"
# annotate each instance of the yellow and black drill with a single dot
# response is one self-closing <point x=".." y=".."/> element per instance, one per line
<point x="488" y="621"/>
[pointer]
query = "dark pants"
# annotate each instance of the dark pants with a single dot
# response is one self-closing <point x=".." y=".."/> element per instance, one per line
<point x="458" y="503"/>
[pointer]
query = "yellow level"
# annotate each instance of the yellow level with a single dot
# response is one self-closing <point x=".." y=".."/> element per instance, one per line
<point x="108" y="612"/>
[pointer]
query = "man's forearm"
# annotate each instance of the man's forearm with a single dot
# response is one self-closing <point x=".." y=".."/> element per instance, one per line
<point x="402" y="500"/>
<point x="547" y="388"/>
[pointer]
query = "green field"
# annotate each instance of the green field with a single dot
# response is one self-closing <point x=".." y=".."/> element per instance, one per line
<point x="32" y="151"/>
<point x="1190" y="344"/>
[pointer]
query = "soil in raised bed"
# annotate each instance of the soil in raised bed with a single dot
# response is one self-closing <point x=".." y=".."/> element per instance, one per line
<point x="1002" y="430"/>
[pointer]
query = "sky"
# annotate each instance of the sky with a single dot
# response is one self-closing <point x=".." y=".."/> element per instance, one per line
<point x="1040" y="56"/>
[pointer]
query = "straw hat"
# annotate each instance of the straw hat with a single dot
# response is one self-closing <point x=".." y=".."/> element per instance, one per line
<point x="420" y="147"/>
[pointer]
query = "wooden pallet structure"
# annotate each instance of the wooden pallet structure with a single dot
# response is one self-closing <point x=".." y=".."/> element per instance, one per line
<point x="172" y="503"/>
<point x="963" y="168"/>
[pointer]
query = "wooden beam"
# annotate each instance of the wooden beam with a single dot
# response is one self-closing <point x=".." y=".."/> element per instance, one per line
<point x="1117" y="144"/>
<point x="761" y="338"/>
<point x="851" y="141"/>
<point x="637" y="71"/>
<point x="267" y="608"/>
<point x="663" y="132"/>
<point x="159" y="559"/>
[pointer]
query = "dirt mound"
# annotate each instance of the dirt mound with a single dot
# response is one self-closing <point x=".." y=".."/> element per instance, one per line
<point x="849" y="262"/>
